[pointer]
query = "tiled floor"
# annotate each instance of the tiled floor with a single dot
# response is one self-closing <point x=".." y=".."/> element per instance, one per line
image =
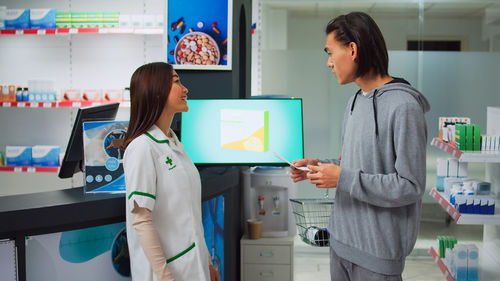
<point x="312" y="263"/>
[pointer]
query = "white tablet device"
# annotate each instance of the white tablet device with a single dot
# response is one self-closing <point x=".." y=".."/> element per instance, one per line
<point x="290" y="163"/>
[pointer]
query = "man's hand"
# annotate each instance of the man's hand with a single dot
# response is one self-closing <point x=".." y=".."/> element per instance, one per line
<point x="324" y="175"/>
<point x="300" y="175"/>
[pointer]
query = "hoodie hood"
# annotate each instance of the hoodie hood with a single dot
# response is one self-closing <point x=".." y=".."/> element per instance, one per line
<point x="397" y="84"/>
<point x="402" y="85"/>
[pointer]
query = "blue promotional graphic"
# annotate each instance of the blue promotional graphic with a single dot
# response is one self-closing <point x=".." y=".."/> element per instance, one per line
<point x="199" y="34"/>
<point x="213" y="226"/>
<point x="104" y="156"/>
<point x="95" y="253"/>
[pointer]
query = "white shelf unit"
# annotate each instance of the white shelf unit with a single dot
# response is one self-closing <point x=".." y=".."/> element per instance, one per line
<point x="102" y="58"/>
<point x="489" y="254"/>
<point x="464" y="218"/>
<point x="70" y="31"/>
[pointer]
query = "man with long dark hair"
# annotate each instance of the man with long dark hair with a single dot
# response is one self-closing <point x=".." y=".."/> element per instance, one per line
<point x="380" y="178"/>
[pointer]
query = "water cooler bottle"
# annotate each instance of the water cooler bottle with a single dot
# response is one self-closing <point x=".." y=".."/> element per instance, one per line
<point x="266" y="193"/>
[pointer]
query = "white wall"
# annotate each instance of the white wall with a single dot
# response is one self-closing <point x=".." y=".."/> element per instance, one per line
<point x="309" y="33"/>
<point x="456" y="83"/>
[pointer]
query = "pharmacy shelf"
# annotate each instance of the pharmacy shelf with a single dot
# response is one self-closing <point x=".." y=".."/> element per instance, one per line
<point x="441" y="265"/>
<point x="66" y="31"/>
<point x="30" y="169"/>
<point x="23" y="104"/>
<point x="469" y="156"/>
<point x="463" y="218"/>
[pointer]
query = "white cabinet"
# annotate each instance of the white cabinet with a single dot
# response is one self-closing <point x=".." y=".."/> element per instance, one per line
<point x="267" y="259"/>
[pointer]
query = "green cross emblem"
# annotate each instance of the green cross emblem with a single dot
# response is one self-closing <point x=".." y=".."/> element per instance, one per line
<point x="169" y="161"/>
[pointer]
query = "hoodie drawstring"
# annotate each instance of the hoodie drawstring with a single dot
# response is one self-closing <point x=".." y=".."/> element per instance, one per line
<point x="375" y="113"/>
<point x="374" y="109"/>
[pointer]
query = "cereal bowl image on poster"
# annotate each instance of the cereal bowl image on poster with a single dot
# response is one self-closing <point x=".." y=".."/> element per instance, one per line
<point x="197" y="48"/>
<point x="199" y="34"/>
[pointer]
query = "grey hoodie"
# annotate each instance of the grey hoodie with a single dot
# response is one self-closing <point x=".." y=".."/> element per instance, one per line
<point x="374" y="222"/>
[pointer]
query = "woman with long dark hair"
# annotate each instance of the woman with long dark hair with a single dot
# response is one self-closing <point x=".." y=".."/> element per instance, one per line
<point x="164" y="226"/>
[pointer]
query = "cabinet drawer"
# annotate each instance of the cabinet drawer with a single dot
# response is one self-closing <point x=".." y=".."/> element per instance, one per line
<point x="260" y="272"/>
<point x="267" y="254"/>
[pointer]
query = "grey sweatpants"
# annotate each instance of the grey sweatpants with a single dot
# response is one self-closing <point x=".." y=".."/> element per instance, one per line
<point x="344" y="270"/>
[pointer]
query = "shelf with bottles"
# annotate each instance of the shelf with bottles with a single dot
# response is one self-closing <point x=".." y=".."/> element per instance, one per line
<point x="467" y="156"/>
<point x="93" y="30"/>
<point x="30" y="169"/>
<point x="27" y="104"/>
<point x="440" y="264"/>
<point x="463" y="218"/>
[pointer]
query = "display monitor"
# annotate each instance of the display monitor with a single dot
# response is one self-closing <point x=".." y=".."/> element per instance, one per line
<point x="73" y="158"/>
<point x="243" y="131"/>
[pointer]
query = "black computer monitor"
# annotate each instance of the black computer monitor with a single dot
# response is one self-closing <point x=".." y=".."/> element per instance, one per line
<point x="73" y="158"/>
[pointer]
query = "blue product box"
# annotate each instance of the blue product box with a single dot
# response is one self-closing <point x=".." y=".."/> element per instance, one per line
<point x="17" y="155"/>
<point x="17" y="19"/>
<point x="43" y="18"/>
<point x="440" y="183"/>
<point x="45" y="155"/>
<point x="103" y="156"/>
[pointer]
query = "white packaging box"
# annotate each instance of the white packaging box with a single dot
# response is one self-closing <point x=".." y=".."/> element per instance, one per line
<point x="149" y="21"/>
<point x="442" y="167"/>
<point x="18" y="155"/>
<point x="125" y="21"/>
<point x="159" y="20"/>
<point x="45" y="155"/>
<point x="460" y="259"/>
<point x="452" y="167"/>
<point x="472" y="263"/>
<point x="462" y="169"/>
<point x="448" y="184"/>
<point x="244" y="129"/>
<point x="137" y="20"/>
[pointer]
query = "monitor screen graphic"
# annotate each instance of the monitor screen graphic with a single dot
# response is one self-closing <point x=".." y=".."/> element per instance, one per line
<point x="243" y="131"/>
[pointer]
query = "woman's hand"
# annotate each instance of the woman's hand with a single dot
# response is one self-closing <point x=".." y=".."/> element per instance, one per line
<point x="324" y="175"/>
<point x="300" y="175"/>
<point x="214" y="275"/>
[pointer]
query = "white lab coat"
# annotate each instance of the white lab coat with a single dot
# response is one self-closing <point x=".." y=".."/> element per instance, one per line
<point x="160" y="176"/>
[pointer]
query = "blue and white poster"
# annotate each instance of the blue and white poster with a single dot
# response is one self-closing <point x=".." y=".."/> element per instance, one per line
<point x="199" y="34"/>
<point x="213" y="226"/>
<point x="104" y="156"/>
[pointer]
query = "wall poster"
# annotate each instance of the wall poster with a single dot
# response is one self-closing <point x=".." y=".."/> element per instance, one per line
<point x="199" y="34"/>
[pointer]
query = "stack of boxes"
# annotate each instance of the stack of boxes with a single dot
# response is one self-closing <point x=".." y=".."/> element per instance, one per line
<point x="36" y="156"/>
<point x="462" y="260"/>
<point x="30" y="18"/>
<point x="468" y="137"/>
<point x="87" y="19"/>
<point x="468" y="195"/>
<point x="449" y="168"/>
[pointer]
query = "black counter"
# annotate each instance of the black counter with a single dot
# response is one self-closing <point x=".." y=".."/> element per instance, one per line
<point x="63" y="210"/>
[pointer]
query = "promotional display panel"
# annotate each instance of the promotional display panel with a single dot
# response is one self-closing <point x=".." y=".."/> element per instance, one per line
<point x="213" y="226"/>
<point x="199" y="34"/>
<point x="247" y="131"/>
<point x="104" y="156"/>
<point x="95" y="253"/>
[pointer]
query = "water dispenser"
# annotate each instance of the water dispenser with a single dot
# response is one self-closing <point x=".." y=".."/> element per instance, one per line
<point x="266" y="194"/>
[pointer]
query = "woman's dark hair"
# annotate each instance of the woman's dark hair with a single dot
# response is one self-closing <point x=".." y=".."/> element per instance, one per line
<point x="149" y="88"/>
<point x="361" y="29"/>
